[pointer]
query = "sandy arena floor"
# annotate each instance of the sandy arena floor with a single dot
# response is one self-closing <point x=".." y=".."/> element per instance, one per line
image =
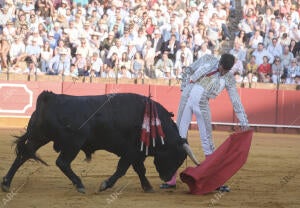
<point x="271" y="178"/>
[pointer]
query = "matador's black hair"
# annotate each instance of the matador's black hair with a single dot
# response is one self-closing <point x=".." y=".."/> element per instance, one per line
<point x="227" y="61"/>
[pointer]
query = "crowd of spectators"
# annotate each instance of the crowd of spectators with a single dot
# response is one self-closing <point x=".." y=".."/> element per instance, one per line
<point x="148" y="39"/>
<point x="268" y="42"/>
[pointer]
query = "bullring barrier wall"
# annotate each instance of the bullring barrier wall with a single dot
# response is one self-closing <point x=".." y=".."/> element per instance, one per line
<point x="266" y="108"/>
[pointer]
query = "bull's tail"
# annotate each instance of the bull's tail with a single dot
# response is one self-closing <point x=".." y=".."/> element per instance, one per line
<point x="23" y="150"/>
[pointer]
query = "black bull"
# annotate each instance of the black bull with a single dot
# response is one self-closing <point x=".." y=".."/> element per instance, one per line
<point x="110" y="122"/>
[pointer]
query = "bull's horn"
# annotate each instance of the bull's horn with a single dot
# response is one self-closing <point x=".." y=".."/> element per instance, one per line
<point x="190" y="153"/>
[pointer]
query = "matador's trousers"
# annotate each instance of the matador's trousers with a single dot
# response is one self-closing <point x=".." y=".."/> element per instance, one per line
<point x="194" y="101"/>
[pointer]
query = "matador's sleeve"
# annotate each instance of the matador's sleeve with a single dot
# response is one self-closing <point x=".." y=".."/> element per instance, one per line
<point x="238" y="107"/>
<point x="203" y="65"/>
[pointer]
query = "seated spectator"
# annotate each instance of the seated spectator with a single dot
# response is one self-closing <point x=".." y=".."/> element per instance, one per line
<point x="32" y="69"/>
<point x="268" y="38"/>
<point x="95" y="65"/>
<point x="180" y="65"/>
<point x="164" y="66"/>
<point x="255" y="40"/>
<point x="238" y="70"/>
<point x="264" y="71"/>
<point x="172" y="46"/>
<point x="277" y="70"/>
<point x="148" y="55"/>
<point x="275" y="48"/>
<point x="187" y="53"/>
<point x="80" y="64"/>
<point x="119" y="49"/>
<point x="60" y="64"/>
<point x="294" y="47"/>
<point x="33" y="51"/>
<point x="251" y="71"/>
<point x="124" y="73"/>
<point x="137" y="66"/>
<point x="284" y="40"/>
<point x="16" y="50"/>
<point x="110" y="66"/>
<point x="286" y="57"/>
<point x="238" y="51"/>
<point x="203" y="50"/>
<point x="241" y="39"/>
<point x="292" y="71"/>
<point x="259" y="54"/>
<point x="131" y="50"/>
<point x="125" y="62"/>
<point x="46" y="56"/>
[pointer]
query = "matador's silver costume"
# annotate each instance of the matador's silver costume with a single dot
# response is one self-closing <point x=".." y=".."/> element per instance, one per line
<point x="207" y="83"/>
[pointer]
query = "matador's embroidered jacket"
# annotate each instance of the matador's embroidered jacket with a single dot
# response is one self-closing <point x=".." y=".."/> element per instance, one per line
<point x="212" y="84"/>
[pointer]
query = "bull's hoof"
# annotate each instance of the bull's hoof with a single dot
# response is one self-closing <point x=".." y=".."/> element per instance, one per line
<point x="148" y="189"/>
<point x="5" y="188"/>
<point x="5" y="185"/>
<point x="80" y="189"/>
<point x="103" y="186"/>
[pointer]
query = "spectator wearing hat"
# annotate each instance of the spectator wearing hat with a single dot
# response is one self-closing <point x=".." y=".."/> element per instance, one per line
<point x="95" y="41"/>
<point x="60" y="64"/>
<point x="164" y="67"/>
<point x="131" y="50"/>
<point x="84" y="48"/>
<point x="86" y="31"/>
<point x="203" y="50"/>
